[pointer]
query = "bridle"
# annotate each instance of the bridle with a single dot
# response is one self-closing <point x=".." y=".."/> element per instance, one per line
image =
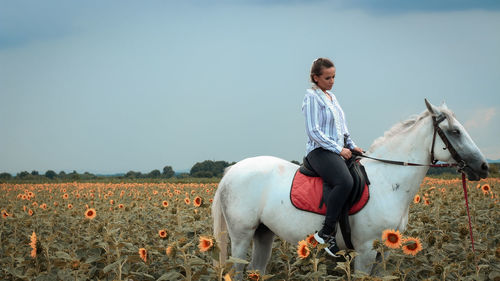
<point x="437" y="130"/>
<point x="461" y="164"/>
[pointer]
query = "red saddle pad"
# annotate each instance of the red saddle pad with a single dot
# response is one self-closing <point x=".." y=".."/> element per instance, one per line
<point x="306" y="193"/>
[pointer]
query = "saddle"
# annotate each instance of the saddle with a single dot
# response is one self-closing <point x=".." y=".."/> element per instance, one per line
<point x="356" y="200"/>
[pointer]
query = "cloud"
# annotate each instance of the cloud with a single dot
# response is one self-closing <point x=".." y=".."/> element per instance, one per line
<point x="480" y="119"/>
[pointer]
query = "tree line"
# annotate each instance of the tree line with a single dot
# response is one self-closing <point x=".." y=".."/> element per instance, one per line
<point x="205" y="169"/>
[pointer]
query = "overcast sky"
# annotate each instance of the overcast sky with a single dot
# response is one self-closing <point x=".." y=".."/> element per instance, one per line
<point x="114" y="86"/>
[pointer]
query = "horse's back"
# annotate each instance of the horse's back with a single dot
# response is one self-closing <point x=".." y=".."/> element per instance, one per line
<point x="248" y="185"/>
<point x="261" y="167"/>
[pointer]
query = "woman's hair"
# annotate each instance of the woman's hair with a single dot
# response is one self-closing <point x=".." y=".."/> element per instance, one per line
<point x="318" y="65"/>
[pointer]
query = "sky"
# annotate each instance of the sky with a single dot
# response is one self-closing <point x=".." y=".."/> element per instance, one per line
<point x="113" y="86"/>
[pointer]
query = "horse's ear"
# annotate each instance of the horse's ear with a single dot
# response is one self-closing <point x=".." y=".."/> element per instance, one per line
<point x="432" y="109"/>
<point x="444" y="106"/>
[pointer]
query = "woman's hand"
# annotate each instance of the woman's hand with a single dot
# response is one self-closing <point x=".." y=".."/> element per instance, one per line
<point x="357" y="149"/>
<point x="346" y="153"/>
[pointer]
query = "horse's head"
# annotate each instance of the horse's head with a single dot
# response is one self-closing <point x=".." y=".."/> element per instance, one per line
<point x="453" y="144"/>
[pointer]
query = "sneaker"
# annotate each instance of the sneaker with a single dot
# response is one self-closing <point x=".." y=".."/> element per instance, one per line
<point x="332" y="248"/>
<point x="330" y="240"/>
<point x="321" y="237"/>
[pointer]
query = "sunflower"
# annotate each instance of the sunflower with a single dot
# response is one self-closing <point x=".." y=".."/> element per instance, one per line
<point x="65" y="196"/>
<point x="254" y="275"/>
<point x="170" y="251"/>
<point x="311" y="241"/>
<point x="392" y="238"/>
<point x="90" y="213"/>
<point x="427" y="202"/>
<point x="30" y="212"/>
<point x="302" y="250"/>
<point x="187" y="201"/>
<point x="205" y="243"/>
<point x="416" y="199"/>
<point x="43" y="206"/>
<point x="111" y="202"/>
<point x="33" y="244"/>
<point x="164" y="204"/>
<point x="33" y="240"/>
<point x="70" y="206"/>
<point x="5" y="214"/>
<point x="143" y="253"/>
<point x="486" y="188"/>
<point x="162" y="233"/>
<point x="197" y="201"/>
<point x="411" y="246"/>
<point x="120" y="206"/>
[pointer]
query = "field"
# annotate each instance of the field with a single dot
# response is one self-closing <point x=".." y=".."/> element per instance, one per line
<point x="163" y="231"/>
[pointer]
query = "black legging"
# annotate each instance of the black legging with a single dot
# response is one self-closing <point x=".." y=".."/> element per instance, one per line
<point x="333" y="170"/>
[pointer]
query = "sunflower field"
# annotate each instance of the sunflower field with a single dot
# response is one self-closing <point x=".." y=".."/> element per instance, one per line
<point x="163" y="231"/>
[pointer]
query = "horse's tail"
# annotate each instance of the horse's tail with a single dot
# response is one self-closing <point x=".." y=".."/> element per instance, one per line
<point x="220" y="226"/>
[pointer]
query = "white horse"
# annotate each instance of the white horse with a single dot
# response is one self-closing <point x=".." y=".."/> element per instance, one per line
<point x="252" y="201"/>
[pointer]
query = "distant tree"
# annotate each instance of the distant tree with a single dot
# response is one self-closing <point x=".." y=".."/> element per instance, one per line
<point x="208" y="169"/>
<point x="133" y="175"/>
<point x="50" y="174"/>
<point x="22" y="175"/>
<point x="182" y="175"/>
<point x="88" y="175"/>
<point x="62" y="174"/>
<point x="5" y="176"/>
<point x="168" y="172"/>
<point x="74" y="175"/>
<point x="34" y="173"/>
<point x="154" y="174"/>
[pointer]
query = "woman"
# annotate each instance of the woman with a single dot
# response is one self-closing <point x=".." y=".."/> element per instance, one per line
<point x="328" y="146"/>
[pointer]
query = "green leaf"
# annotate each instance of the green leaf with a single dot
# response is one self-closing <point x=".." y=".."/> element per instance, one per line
<point x="93" y="259"/>
<point x="110" y="267"/>
<point x="63" y="255"/>
<point x="143" y="274"/>
<point x="126" y="245"/>
<point x="390" y="277"/>
<point x="237" y="260"/>
<point x="172" y="275"/>
<point x="196" y="276"/>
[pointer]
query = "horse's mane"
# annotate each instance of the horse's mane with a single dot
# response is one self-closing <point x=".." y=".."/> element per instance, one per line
<point x="407" y="125"/>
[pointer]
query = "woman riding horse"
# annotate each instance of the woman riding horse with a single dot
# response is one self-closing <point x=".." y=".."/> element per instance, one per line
<point x="329" y="145"/>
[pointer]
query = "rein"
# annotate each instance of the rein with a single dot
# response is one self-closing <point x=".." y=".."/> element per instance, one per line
<point x="460" y="164"/>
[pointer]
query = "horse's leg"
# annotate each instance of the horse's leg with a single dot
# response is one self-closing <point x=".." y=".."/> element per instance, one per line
<point x="240" y="241"/>
<point x="262" y="248"/>
<point x="365" y="261"/>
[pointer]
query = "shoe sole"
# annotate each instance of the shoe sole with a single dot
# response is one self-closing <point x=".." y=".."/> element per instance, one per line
<point x="318" y="238"/>
<point x="331" y="254"/>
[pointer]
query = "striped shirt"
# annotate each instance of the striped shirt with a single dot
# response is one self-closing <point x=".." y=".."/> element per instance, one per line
<point x="325" y="122"/>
